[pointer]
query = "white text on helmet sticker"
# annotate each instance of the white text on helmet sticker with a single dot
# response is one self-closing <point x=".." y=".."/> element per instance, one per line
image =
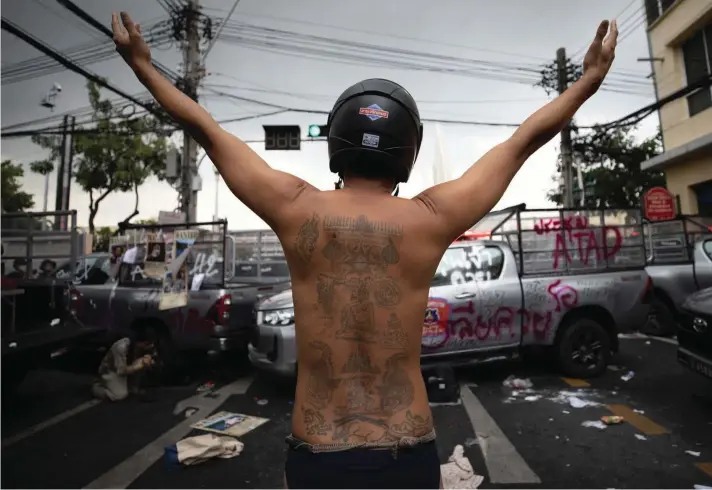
<point x="370" y="140"/>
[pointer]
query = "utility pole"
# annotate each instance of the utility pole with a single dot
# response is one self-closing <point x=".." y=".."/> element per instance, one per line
<point x="193" y="75"/>
<point x="64" y="172"/>
<point x="566" y="150"/>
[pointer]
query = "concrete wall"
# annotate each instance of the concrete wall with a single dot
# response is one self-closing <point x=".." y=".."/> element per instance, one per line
<point x="685" y="174"/>
<point x="666" y="36"/>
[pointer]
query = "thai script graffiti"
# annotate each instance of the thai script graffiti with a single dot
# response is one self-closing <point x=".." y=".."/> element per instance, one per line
<point x="465" y="324"/>
<point x="468" y="264"/>
<point x="577" y="242"/>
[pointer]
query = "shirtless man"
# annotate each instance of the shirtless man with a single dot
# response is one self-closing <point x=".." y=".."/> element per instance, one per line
<point x="361" y="262"/>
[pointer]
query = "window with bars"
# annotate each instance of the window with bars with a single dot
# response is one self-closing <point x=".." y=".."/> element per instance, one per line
<point x="697" y="53"/>
<point x="655" y="8"/>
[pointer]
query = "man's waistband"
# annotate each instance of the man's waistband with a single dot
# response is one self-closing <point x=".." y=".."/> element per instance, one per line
<point x="403" y="442"/>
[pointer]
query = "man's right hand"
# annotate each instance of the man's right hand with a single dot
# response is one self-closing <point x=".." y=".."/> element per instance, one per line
<point x="601" y="53"/>
<point x="129" y="42"/>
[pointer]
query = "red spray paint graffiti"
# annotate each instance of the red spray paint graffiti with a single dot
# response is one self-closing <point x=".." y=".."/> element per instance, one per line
<point x="467" y="324"/>
<point x="573" y="233"/>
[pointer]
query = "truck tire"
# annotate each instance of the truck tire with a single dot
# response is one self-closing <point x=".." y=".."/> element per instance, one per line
<point x="661" y="319"/>
<point x="584" y="349"/>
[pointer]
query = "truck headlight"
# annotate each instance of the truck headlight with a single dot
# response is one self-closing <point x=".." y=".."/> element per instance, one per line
<point x="278" y="317"/>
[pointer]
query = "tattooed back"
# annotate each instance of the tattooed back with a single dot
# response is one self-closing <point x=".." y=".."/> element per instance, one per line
<point x="361" y="270"/>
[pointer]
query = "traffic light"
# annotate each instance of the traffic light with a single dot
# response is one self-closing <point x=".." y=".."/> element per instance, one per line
<point x="282" y="137"/>
<point x="316" y="130"/>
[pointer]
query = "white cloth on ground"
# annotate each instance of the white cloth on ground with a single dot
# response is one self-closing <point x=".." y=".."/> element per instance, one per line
<point x="198" y="449"/>
<point x="458" y="472"/>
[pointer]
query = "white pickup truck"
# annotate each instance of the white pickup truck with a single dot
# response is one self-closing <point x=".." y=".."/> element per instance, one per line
<point x="565" y="280"/>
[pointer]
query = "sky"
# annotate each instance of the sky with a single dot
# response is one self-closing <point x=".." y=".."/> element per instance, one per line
<point x="503" y="32"/>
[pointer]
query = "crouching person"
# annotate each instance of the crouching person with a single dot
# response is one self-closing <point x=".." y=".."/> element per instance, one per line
<point x="124" y="364"/>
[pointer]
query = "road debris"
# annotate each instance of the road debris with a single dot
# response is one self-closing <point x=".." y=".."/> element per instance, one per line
<point x="190" y="411"/>
<point x="693" y="453"/>
<point x="458" y="472"/>
<point x="518" y="383"/>
<point x="639" y="411"/>
<point x="612" y="419"/>
<point x="198" y="449"/>
<point x="628" y="376"/>
<point x="532" y="398"/>
<point x="207" y="386"/>
<point x="471" y="441"/>
<point x="565" y="411"/>
<point x="262" y="401"/>
<point x="577" y="402"/>
<point x="594" y="423"/>
<point x="641" y="437"/>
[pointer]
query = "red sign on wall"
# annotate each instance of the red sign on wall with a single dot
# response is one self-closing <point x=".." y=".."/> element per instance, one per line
<point x="659" y="204"/>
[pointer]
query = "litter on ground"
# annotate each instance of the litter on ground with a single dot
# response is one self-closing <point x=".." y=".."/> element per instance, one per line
<point x="641" y="437"/>
<point x="577" y="402"/>
<point x="198" y="449"/>
<point x="611" y="419"/>
<point x="518" y="383"/>
<point x="458" y="472"/>
<point x="532" y="398"/>
<point x="639" y="411"/>
<point x="628" y="376"/>
<point x="207" y="386"/>
<point x="597" y="424"/>
<point x="693" y="453"/>
<point x="471" y="441"/>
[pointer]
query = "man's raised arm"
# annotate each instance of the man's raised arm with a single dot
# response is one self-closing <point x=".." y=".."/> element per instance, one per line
<point x="264" y="190"/>
<point x="460" y="203"/>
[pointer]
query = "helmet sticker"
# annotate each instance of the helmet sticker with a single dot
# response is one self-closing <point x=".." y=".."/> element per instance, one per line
<point x="370" y="140"/>
<point x="373" y="112"/>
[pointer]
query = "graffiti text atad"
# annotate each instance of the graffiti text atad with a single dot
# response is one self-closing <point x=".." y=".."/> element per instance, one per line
<point x="573" y="233"/>
<point x="466" y="324"/>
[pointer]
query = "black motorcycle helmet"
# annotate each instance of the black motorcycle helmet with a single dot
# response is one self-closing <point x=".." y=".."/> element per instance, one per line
<point x="375" y="123"/>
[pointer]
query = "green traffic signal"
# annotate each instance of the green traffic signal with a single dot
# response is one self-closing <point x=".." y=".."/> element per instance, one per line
<point x="314" y="130"/>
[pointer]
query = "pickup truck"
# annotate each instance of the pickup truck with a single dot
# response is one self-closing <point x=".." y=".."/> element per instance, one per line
<point x="217" y="316"/>
<point x="680" y="263"/>
<point x="694" y="337"/>
<point x="39" y="314"/>
<point x="572" y="283"/>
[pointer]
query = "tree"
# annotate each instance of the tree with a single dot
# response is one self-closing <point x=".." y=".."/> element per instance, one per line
<point x="610" y="163"/>
<point x="14" y="199"/>
<point x="102" y="237"/>
<point x="118" y="154"/>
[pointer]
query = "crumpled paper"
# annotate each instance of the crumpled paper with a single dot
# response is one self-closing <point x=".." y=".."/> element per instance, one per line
<point x="458" y="472"/>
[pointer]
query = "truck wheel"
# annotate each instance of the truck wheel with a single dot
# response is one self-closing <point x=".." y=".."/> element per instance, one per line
<point x="584" y="349"/>
<point x="661" y="320"/>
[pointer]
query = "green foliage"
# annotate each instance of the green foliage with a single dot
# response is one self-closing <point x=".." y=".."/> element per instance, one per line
<point x="119" y="154"/>
<point x="611" y="168"/>
<point x="101" y="238"/>
<point x="14" y="199"/>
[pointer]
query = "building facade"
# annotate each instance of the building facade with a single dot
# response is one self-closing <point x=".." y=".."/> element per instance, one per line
<point x="680" y="42"/>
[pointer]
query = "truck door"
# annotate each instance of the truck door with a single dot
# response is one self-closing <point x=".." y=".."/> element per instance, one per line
<point x="499" y="321"/>
<point x="453" y="303"/>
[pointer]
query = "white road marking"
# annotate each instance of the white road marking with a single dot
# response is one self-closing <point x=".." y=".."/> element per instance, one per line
<point x="48" y="423"/>
<point x="504" y="464"/>
<point x="123" y="474"/>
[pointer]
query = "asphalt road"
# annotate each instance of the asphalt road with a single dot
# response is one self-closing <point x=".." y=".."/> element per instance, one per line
<point x="55" y="436"/>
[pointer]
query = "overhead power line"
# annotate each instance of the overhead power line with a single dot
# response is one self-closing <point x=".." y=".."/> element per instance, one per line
<point x="44" y="48"/>
<point x="83" y="15"/>
<point x="627" y="120"/>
